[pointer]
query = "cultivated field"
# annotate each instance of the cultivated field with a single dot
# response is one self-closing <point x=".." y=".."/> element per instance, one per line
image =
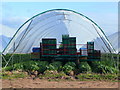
<point x="22" y="72"/>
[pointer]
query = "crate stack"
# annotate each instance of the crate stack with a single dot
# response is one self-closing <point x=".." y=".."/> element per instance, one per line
<point x="48" y="47"/>
<point x="90" y="50"/>
<point x="69" y="45"/>
<point x="92" y="54"/>
<point x="35" y="53"/>
<point x="67" y="50"/>
<point x="97" y="54"/>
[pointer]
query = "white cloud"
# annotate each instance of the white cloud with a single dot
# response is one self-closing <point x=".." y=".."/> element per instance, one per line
<point x="7" y="31"/>
<point x="9" y="26"/>
<point x="13" y="22"/>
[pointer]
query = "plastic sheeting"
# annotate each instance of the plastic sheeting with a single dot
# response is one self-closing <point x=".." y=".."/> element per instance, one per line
<point x="53" y="24"/>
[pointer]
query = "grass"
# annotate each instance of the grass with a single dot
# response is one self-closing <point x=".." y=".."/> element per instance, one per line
<point x="96" y="77"/>
<point x="52" y="75"/>
<point x="61" y="76"/>
<point x="80" y="77"/>
<point x="14" y="75"/>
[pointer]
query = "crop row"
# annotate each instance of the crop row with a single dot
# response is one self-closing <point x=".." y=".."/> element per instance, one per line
<point x="41" y="66"/>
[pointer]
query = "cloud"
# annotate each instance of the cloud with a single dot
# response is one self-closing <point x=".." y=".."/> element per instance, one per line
<point x="9" y="25"/>
<point x="7" y="31"/>
<point x="14" y="22"/>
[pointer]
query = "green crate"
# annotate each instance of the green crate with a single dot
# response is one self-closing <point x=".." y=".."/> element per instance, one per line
<point x="69" y="45"/>
<point x="90" y="47"/>
<point x="72" y="51"/>
<point x="69" y="42"/>
<point x="65" y="36"/>
<point x="49" y="46"/>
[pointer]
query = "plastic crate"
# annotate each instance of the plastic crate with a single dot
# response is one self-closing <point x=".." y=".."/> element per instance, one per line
<point x="90" y="47"/>
<point x="35" y="55"/>
<point x="48" y="46"/>
<point x="35" y="49"/>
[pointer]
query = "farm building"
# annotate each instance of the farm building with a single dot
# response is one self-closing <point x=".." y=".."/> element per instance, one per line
<point x="55" y="23"/>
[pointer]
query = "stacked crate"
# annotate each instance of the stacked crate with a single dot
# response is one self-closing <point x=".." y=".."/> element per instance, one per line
<point x="35" y="53"/>
<point x="36" y="49"/>
<point x="90" y="50"/>
<point x="69" y="45"/>
<point x="93" y="54"/>
<point x="48" y="47"/>
<point x="97" y="54"/>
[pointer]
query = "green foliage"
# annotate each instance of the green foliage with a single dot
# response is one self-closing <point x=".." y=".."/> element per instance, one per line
<point x="55" y="66"/>
<point x="84" y="67"/>
<point x="52" y="75"/>
<point x="98" y="67"/>
<point x="16" y="58"/>
<point x="93" y="76"/>
<point x="6" y="75"/>
<point x="71" y="64"/>
<point x="18" y="66"/>
<point x="108" y="69"/>
<point x="42" y="66"/>
<point x="110" y="59"/>
<point x="8" y="68"/>
<point x="30" y="66"/>
<point x="68" y="67"/>
<point x="23" y="62"/>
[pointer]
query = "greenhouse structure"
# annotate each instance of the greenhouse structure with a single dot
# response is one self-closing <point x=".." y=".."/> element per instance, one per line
<point x="53" y="24"/>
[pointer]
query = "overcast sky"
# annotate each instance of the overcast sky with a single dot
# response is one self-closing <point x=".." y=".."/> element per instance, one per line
<point x="14" y="14"/>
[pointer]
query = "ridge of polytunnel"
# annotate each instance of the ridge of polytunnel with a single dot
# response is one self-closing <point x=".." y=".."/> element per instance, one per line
<point x="53" y="10"/>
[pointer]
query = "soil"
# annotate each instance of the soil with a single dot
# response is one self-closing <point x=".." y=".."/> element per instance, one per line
<point x="40" y="83"/>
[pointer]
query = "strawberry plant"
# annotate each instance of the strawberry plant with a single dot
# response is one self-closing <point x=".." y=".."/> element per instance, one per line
<point x="42" y="66"/>
<point x="18" y="66"/>
<point x="55" y="66"/>
<point x="84" y="67"/>
<point x="68" y="67"/>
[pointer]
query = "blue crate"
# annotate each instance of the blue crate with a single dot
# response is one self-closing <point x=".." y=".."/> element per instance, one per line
<point x="36" y="49"/>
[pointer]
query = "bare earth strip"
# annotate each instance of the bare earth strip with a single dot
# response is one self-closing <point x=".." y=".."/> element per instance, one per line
<point x="38" y="83"/>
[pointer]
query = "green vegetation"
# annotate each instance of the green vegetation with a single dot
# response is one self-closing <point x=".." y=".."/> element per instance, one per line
<point x="8" y="68"/>
<point x="84" y="67"/>
<point x="17" y="58"/>
<point x="42" y="66"/>
<point x="28" y="66"/>
<point x="96" y="70"/>
<point x="57" y="65"/>
<point x="52" y="75"/>
<point x="68" y="67"/>
<point x="13" y="75"/>
<point x="93" y="76"/>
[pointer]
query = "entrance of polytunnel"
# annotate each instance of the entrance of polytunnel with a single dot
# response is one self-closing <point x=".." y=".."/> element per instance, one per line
<point x="59" y="35"/>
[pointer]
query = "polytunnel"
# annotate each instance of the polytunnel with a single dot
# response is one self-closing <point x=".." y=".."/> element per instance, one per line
<point x="53" y="24"/>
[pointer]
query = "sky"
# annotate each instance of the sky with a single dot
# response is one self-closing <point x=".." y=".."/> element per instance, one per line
<point x="14" y="14"/>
